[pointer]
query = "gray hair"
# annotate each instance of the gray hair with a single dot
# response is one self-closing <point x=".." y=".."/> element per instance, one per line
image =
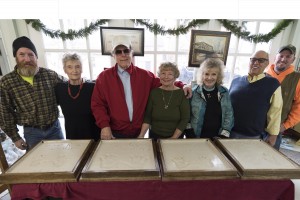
<point x="70" y="56"/>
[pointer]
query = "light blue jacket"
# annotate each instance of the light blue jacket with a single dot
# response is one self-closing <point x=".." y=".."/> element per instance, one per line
<point x="198" y="107"/>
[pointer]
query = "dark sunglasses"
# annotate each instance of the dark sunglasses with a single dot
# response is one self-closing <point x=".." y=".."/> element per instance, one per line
<point x="119" y="51"/>
<point x="260" y="60"/>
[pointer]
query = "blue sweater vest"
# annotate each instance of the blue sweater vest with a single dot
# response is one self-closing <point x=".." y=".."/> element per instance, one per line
<point x="251" y="102"/>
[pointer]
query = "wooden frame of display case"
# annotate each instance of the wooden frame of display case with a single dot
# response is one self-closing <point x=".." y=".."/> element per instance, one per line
<point x="194" y="158"/>
<point x="255" y="159"/>
<point x="50" y="161"/>
<point x="124" y="153"/>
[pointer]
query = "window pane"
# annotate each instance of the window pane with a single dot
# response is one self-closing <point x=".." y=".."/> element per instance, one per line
<point x="166" y="42"/>
<point x="184" y="42"/>
<point x="94" y="38"/>
<point x="98" y="63"/>
<point x="145" y="62"/>
<point x="265" y="27"/>
<point x="52" y="43"/>
<point x="227" y="71"/>
<point x="233" y="40"/>
<point x="186" y="75"/>
<point x="241" y="66"/>
<point x="183" y="60"/>
<point x="54" y="62"/>
<point x="78" y="43"/>
<point x="245" y="46"/>
<point x="263" y="46"/>
<point x="148" y="37"/>
<point x="232" y="44"/>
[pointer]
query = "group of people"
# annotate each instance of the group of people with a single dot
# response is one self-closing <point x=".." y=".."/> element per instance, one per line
<point x="260" y="105"/>
<point x="127" y="101"/>
<point x="113" y="107"/>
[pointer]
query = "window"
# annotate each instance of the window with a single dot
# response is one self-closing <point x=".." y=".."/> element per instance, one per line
<point x="88" y="48"/>
<point x="158" y="48"/>
<point x="241" y="50"/>
<point x="176" y="48"/>
<point x="163" y="48"/>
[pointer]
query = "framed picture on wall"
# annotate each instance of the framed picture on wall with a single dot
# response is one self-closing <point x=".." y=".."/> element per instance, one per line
<point x="136" y="36"/>
<point x="206" y="44"/>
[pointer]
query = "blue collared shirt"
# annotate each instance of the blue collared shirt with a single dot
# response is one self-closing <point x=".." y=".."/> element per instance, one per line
<point x="125" y="78"/>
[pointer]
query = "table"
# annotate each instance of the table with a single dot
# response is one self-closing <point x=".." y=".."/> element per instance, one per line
<point x="233" y="189"/>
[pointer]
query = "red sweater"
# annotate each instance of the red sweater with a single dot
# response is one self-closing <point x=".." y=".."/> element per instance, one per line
<point x="108" y="100"/>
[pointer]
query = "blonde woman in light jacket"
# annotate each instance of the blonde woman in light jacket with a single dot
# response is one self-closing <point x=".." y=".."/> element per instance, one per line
<point x="211" y="109"/>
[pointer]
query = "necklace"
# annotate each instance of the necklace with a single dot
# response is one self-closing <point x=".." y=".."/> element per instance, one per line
<point x="78" y="93"/>
<point x="208" y="91"/>
<point x="166" y="105"/>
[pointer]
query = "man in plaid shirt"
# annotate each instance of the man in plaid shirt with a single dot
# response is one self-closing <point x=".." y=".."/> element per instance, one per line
<point x="27" y="98"/>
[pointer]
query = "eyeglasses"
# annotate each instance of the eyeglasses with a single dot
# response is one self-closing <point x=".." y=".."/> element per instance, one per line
<point x="260" y="60"/>
<point x="119" y="51"/>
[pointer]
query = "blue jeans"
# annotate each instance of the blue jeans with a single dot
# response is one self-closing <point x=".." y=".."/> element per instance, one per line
<point x="35" y="135"/>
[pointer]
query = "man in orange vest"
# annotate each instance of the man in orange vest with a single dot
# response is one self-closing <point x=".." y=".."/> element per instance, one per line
<point x="285" y="73"/>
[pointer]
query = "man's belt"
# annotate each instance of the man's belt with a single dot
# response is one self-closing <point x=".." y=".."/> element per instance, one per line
<point x="42" y="127"/>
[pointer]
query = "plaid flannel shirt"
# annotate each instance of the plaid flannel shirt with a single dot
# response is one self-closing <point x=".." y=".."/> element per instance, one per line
<point x="25" y="104"/>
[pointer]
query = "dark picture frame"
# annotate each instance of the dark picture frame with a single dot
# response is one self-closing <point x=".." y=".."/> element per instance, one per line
<point x="136" y="36"/>
<point x="206" y="44"/>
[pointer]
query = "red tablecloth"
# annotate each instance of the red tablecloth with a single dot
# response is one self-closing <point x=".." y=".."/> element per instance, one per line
<point x="158" y="190"/>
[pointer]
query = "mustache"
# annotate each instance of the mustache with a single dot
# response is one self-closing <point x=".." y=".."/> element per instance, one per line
<point x="28" y="63"/>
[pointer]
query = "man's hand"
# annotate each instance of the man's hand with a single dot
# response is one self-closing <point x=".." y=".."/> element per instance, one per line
<point x="21" y="144"/>
<point x="106" y="134"/>
<point x="187" y="91"/>
<point x="282" y="128"/>
<point x="271" y="139"/>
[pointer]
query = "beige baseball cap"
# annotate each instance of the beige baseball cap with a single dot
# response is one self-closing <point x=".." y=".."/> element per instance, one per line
<point x="121" y="40"/>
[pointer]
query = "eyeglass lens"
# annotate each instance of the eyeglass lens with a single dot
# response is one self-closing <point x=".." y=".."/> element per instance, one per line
<point x="119" y="51"/>
<point x="260" y="60"/>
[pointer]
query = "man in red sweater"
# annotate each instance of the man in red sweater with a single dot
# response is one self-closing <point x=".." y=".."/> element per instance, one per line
<point x="284" y="72"/>
<point x="121" y="93"/>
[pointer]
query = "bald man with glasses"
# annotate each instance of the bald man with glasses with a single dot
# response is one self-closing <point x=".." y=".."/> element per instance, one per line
<point x="257" y="102"/>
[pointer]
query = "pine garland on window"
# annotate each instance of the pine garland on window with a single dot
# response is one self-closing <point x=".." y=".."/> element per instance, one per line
<point x="159" y="29"/>
<point x="258" y="38"/>
<point x="71" y="34"/>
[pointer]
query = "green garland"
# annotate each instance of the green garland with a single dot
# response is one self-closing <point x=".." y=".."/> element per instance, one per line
<point x="158" y="29"/>
<point x="237" y="31"/>
<point x="181" y="30"/>
<point x="71" y="34"/>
